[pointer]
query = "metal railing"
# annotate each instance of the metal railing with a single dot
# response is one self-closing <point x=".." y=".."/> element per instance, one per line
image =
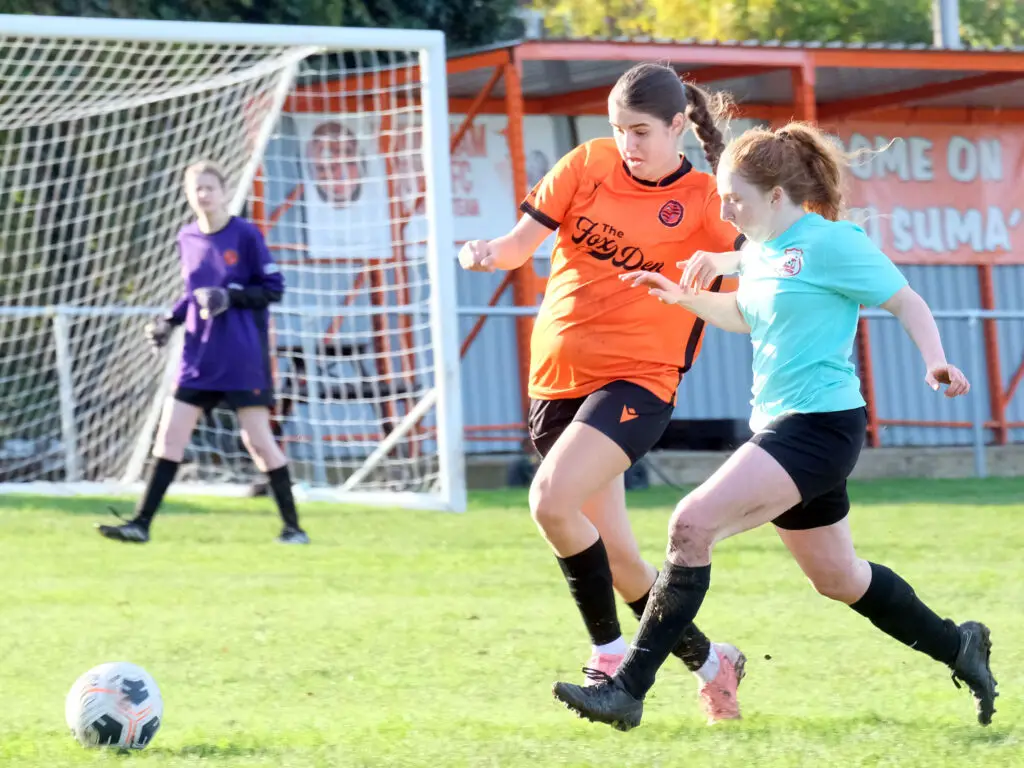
<point x="974" y="364"/>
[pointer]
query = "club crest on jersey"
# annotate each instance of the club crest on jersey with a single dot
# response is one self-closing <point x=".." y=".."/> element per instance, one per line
<point x="671" y="213"/>
<point x="794" y="262"/>
<point x="230" y="258"/>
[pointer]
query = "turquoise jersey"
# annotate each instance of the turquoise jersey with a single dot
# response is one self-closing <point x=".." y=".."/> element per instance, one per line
<point x="801" y="293"/>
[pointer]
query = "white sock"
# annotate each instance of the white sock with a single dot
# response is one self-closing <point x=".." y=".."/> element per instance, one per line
<point x="618" y="645"/>
<point x="709" y="669"/>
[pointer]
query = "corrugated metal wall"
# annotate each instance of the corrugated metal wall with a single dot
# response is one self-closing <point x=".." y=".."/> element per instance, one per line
<point x="1009" y="285"/>
<point x="718" y="387"/>
<point x="899" y="372"/>
<point x="490" y="369"/>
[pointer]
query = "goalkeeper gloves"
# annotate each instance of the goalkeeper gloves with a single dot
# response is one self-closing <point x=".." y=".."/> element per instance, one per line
<point x="158" y="332"/>
<point x="211" y="301"/>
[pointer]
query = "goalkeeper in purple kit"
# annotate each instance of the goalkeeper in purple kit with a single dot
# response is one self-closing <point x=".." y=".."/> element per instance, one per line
<point x="230" y="280"/>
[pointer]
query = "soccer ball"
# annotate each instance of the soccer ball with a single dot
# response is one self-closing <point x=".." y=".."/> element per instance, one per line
<point x="114" y="705"/>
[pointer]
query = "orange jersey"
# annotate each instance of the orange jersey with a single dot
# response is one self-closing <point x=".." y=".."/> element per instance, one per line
<point x="592" y="328"/>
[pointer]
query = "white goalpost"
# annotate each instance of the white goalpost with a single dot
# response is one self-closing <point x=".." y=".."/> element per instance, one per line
<point x="336" y="144"/>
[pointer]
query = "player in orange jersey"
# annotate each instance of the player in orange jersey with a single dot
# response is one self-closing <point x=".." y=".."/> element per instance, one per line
<point x="605" y="364"/>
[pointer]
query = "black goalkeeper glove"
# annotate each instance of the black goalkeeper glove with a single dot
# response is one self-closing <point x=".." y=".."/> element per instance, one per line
<point x="158" y="332"/>
<point x="211" y="301"/>
<point x="252" y="297"/>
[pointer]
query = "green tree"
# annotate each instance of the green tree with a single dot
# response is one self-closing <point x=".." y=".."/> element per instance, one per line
<point x="466" y="23"/>
<point x="983" y="22"/>
<point x="992" y="22"/>
<point x="853" y="21"/>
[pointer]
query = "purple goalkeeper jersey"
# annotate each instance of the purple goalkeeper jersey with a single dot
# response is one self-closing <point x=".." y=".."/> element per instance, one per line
<point x="229" y="352"/>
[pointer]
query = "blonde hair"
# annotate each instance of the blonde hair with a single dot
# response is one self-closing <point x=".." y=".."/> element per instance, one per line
<point x="800" y="159"/>
<point x="207" y="166"/>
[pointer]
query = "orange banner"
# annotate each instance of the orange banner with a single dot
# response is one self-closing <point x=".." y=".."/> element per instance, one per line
<point x="940" y="194"/>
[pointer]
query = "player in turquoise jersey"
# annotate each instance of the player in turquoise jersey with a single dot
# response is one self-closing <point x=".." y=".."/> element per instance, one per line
<point x="800" y="294"/>
<point x="802" y="282"/>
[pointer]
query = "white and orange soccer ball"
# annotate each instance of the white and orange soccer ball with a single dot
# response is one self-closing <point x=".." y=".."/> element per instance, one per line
<point x="114" y="705"/>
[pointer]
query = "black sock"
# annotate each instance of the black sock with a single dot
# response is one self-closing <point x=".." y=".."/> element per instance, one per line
<point x="694" y="647"/>
<point x="892" y="606"/>
<point x="675" y="599"/>
<point x="160" y="480"/>
<point x="281" y="487"/>
<point x="590" y="581"/>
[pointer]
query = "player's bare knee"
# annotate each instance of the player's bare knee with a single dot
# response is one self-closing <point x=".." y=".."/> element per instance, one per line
<point x="259" y="461"/>
<point x="546" y="508"/>
<point x="689" y="544"/>
<point x="836" y="584"/>
<point x="170" y="446"/>
<point x="690" y="534"/>
<point x="270" y="459"/>
<point x="171" y="453"/>
<point x="540" y="498"/>
<point x="247" y="441"/>
<point x="262" y="449"/>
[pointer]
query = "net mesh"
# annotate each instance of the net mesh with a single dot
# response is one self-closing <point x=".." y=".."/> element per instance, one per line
<point x="326" y="148"/>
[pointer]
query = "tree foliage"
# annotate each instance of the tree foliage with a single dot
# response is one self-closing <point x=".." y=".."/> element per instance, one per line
<point x="466" y="23"/>
<point x="982" y="22"/>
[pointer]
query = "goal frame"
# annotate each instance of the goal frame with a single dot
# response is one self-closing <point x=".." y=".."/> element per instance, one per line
<point x="445" y="397"/>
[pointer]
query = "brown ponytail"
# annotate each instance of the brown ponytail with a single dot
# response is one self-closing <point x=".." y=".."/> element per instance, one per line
<point x="800" y="159"/>
<point x="704" y="111"/>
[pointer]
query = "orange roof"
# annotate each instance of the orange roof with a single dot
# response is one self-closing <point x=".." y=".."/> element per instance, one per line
<point x="572" y="76"/>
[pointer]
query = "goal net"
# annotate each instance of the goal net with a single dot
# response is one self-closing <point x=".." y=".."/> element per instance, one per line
<point x="335" y="142"/>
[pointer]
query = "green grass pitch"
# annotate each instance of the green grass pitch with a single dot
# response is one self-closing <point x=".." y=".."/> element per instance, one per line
<point x="422" y="639"/>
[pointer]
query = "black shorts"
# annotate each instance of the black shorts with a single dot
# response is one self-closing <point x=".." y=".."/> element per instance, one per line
<point x="208" y="399"/>
<point x="633" y="417"/>
<point x="819" y="451"/>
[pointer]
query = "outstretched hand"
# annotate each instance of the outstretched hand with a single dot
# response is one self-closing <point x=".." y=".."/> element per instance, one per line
<point x="954" y="379"/>
<point x="701" y="269"/>
<point x="659" y="286"/>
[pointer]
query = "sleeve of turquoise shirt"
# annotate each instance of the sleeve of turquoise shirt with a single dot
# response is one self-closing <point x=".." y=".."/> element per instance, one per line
<point x="858" y="269"/>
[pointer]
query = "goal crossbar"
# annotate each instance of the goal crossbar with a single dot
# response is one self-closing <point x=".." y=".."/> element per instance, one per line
<point x="84" y="139"/>
<point x="213" y="33"/>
